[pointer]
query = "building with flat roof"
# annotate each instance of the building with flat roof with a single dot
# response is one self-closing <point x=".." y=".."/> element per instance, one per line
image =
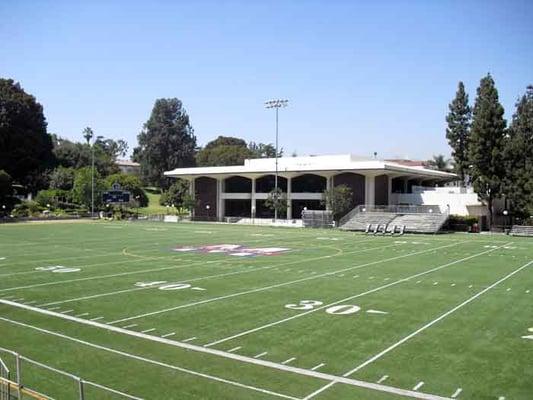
<point x="241" y="190"/>
<point x="128" y="167"/>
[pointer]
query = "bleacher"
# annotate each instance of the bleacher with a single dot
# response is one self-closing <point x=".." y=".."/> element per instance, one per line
<point x="521" y="230"/>
<point x="384" y="219"/>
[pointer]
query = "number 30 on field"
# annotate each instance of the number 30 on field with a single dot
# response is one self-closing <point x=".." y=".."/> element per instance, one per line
<point x="343" y="309"/>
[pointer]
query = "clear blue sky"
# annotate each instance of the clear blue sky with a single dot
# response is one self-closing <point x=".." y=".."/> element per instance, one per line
<point x="360" y="76"/>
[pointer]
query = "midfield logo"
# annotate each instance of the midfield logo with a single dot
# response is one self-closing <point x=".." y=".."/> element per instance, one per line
<point x="236" y="250"/>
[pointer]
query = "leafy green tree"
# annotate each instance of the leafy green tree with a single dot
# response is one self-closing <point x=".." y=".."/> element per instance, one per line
<point x="339" y="200"/>
<point x="458" y="130"/>
<point x="25" y="146"/>
<point x="487" y="143"/>
<point x="519" y="157"/>
<point x="262" y="150"/>
<point x="62" y="178"/>
<point x="277" y="200"/>
<point x="132" y="184"/>
<point x="224" y="150"/>
<point x="440" y="163"/>
<point x="175" y="193"/>
<point x="78" y="155"/>
<point x="166" y="142"/>
<point x="6" y="190"/>
<point x="81" y="192"/>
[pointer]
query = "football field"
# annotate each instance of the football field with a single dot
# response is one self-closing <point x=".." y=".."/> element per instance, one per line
<point x="213" y="311"/>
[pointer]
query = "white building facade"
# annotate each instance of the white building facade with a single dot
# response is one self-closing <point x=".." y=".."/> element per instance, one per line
<point x="241" y="191"/>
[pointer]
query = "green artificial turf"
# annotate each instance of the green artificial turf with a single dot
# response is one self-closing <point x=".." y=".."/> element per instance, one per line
<point x="422" y="315"/>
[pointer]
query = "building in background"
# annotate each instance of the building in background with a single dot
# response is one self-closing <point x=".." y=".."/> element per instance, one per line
<point x="129" y="167"/>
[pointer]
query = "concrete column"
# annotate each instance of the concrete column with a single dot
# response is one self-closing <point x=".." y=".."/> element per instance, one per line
<point x="370" y="190"/>
<point x="220" y="200"/>
<point x="289" y="201"/>
<point x="405" y="185"/>
<point x="253" y="211"/>
<point x="329" y="186"/>
<point x="389" y="185"/>
<point x="192" y="192"/>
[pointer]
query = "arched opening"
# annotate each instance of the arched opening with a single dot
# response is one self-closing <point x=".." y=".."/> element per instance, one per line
<point x="356" y="183"/>
<point x="266" y="184"/>
<point x="309" y="183"/>
<point x="238" y="184"/>
<point x="206" y="198"/>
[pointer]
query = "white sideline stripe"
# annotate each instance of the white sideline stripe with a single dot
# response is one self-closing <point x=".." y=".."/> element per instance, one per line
<point x="176" y="267"/>
<point x="151" y="361"/>
<point x="189" y="339"/>
<point x="441" y="317"/>
<point x="234" y="349"/>
<point x="148" y="330"/>
<point x="383" y="378"/>
<point x="129" y="326"/>
<point x="347" y="298"/>
<point x="289" y="360"/>
<point x="264" y="353"/>
<point x="260" y="289"/>
<point x="203" y="277"/>
<point x="317" y="366"/>
<point x="168" y="334"/>
<point x="287" y="368"/>
<point x="457" y="393"/>
<point x="418" y="385"/>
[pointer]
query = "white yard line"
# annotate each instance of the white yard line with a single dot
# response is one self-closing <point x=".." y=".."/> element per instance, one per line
<point x="260" y="289"/>
<point x="289" y="360"/>
<point x="113" y="293"/>
<point x="347" y="298"/>
<point x="219" y="353"/>
<point x="153" y="362"/>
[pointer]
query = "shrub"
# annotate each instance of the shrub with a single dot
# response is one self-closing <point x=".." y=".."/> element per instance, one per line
<point x="132" y="184"/>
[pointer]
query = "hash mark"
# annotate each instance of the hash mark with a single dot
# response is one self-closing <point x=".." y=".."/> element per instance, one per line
<point x="317" y="366"/>
<point x="234" y="349"/>
<point x="264" y="353"/>
<point x="383" y="379"/>
<point x="418" y="385"/>
<point x="289" y="360"/>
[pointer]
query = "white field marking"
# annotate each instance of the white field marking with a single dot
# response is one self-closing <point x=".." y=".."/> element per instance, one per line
<point x="317" y="366"/>
<point x="168" y="334"/>
<point x="200" y="349"/>
<point x="376" y="312"/>
<point x="189" y="280"/>
<point x="197" y="288"/>
<point x="508" y="289"/>
<point x="151" y="361"/>
<point x="189" y="339"/>
<point x="234" y="349"/>
<point x="457" y="393"/>
<point x="129" y="326"/>
<point x="438" y="319"/>
<point x="470" y="286"/>
<point x="341" y="275"/>
<point x="356" y="276"/>
<point x="501" y="398"/>
<point x="30" y="302"/>
<point x="260" y="289"/>
<point x="347" y="299"/>
<point x="83" y="314"/>
<point x="386" y="279"/>
<point x="452" y="285"/>
<point x="383" y="379"/>
<point x="435" y="283"/>
<point x="289" y="360"/>
<point x="66" y="311"/>
<point x="418" y="385"/>
<point x="418" y="281"/>
<point x="148" y="330"/>
<point x="96" y="318"/>
<point x="527" y="291"/>
<point x="264" y="353"/>
<point x="53" y="308"/>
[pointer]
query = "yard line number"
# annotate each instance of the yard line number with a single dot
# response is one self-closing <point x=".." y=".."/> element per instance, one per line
<point x="343" y="309"/>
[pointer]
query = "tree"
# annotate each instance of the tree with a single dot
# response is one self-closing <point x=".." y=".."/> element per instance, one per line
<point x="132" y="184"/>
<point x="81" y="192"/>
<point x="223" y="151"/>
<point x="339" y="200"/>
<point x="175" y="194"/>
<point x="25" y="146"/>
<point x="166" y="142"/>
<point x="62" y="178"/>
<point x="277" y="200"/>
<point x="518" y="156"/>
<point x="439" y="163"/>
<point x="458" y="130"/>
<point x="262" y="150"/>
<point x="6" y="190"/>
<point x="486" y="144"/>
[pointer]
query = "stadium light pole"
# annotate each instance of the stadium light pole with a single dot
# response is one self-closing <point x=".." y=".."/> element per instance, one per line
<point x="277" y="104"/>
